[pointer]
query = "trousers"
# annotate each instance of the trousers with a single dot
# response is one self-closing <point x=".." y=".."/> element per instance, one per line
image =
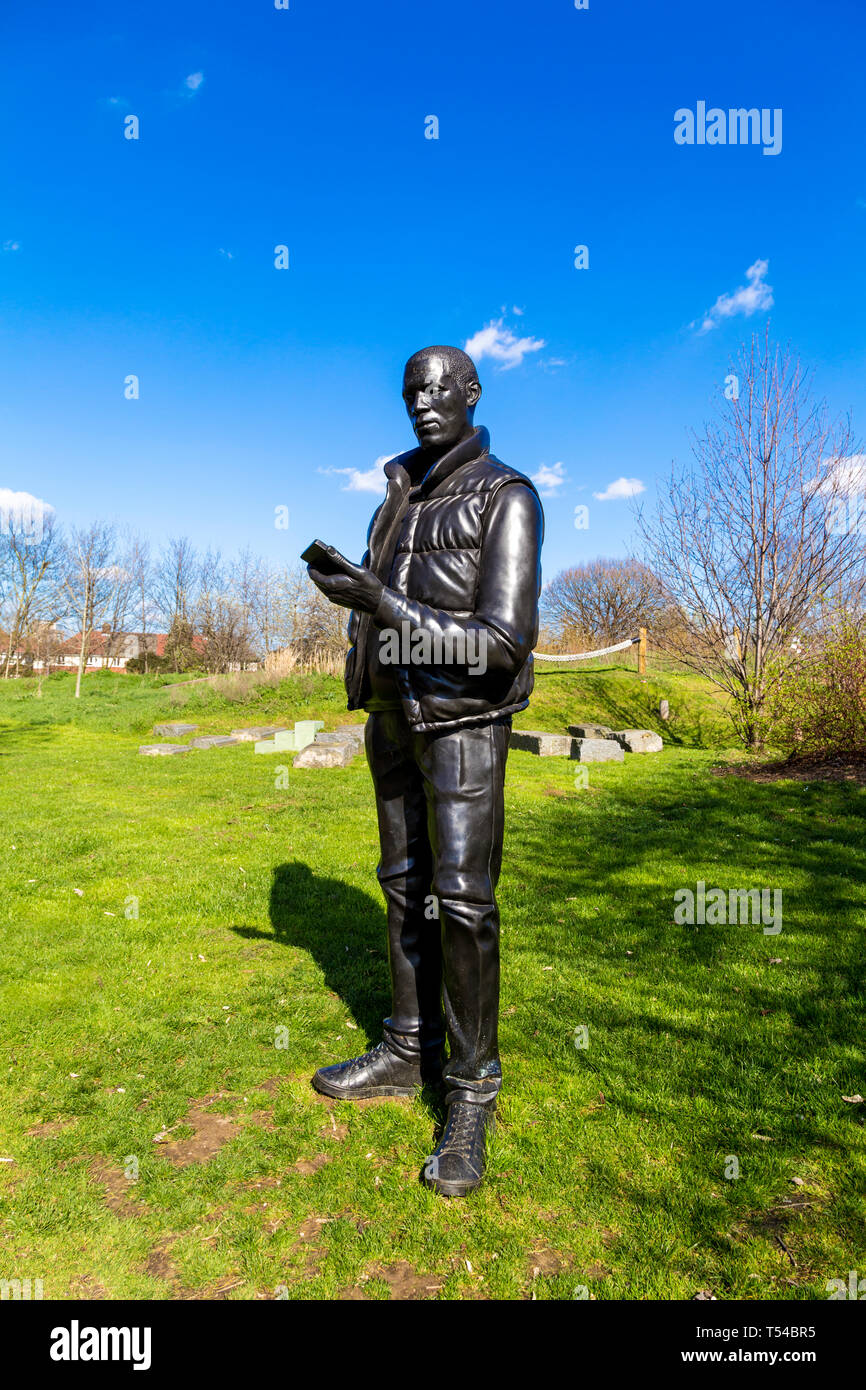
<point x="440" y="807"/>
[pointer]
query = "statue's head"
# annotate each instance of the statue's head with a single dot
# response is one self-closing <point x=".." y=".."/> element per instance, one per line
<point x="441" y="390"/>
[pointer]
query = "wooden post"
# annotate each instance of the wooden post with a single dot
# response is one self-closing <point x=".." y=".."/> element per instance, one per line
<point x="641" y="652"/>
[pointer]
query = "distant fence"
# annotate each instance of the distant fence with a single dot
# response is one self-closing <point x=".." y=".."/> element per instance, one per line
<point x="639" y="642"/>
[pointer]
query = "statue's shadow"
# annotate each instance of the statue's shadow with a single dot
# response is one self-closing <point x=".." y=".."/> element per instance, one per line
<point x="342" y="929"/>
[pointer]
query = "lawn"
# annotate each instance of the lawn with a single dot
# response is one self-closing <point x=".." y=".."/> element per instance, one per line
<point x="185" y="940"/>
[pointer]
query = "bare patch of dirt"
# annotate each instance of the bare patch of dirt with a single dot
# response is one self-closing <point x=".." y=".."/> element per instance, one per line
<point x="271" y="1085"/>
<point x="405" y="1284"/>
<point x="210" y="1131"/>
<point x="548" y="1263"/>
<point x="48" y="1128"/>
<point x="87" y="1288"/>
<point x="334" y="1131"/>
<point x="253" y="1184"/>
<point x="309" y="1234"/>
<point x="306" y="1166"/>
<point x="838" y="769"/>
<point x="117" y="1188"/>
<point x="160" y="1265"/>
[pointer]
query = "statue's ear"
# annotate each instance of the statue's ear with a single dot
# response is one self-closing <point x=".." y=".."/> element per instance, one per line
<point x="473" y="393"/>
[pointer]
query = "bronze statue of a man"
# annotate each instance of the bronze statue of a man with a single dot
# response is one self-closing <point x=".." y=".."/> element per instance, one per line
<point x="445" y="616"/>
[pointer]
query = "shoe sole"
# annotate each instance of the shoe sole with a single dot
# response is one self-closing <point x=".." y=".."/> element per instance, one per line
<point x="452" y="1189"/>
<point x="325" y="1088"/>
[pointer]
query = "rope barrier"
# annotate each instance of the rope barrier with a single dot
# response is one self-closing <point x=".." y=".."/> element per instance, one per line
<point x="587" y="656"/>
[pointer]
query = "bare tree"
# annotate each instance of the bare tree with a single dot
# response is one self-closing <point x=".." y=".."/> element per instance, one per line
<point x="286" y="594"/>
<point x="45" y="641"/>
<point x="91" y="577"/>
<point x="141" y="603"/>
<point x="602" y="601"/>
<point x="222" y="613"/>
<point x="744" y="536"/>
<point x="29" y="563"/>
<point x="175" y="580"/>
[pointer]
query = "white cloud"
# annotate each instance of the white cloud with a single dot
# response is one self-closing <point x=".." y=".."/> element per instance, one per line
<point x="549" y="479"/>
<point x="371" y="480"/>
<point x="748" y="299"/>
<point x="500" y="344"/>
<point x="23" y="513"/>
<point x="847" y="476"/>
<point x="194" y="81"/>
<point x="619" y="489"/>
<point x="11" y="246"/>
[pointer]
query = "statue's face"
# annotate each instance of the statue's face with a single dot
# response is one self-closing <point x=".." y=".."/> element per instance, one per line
<point x="439" y="408"/>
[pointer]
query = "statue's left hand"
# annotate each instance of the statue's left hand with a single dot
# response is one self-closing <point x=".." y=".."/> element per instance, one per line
<point x="357" y="588"/>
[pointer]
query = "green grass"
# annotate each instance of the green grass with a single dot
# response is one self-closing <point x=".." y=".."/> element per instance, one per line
<point x="258" y="912"/>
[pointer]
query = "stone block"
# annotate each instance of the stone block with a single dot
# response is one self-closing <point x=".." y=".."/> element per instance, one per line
<point x="163" y="750"/>
<point x="257" y="731"/>
<point x="212" y="741"/>
<point x="597" y="750"/>
<point x="542" y="744"/>
<point x="174" y="730"/>
<point x="326" y="755"/>
<point x="590" y="731"/>
<point x="639" y="740"/>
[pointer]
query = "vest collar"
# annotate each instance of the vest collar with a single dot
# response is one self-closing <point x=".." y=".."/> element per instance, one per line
<point x="477" y="444"/>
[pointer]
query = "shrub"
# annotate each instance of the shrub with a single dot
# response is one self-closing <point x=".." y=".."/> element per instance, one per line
<point x="817" y="706"/>
<point x="136" y="664"/>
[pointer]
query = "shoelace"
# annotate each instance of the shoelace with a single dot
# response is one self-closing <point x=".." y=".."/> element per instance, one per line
<point x="359" y="1063"/>
<point x="463" y="1131"/>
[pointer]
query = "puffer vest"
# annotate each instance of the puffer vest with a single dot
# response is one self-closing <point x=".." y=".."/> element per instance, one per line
<point x="428" y="546"/>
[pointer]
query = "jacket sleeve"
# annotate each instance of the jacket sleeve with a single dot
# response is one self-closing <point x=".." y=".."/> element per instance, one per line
<point x="506" y="605"/>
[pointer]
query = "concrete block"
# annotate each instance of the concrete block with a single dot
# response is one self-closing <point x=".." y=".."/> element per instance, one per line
<point x="174" y="730"/>
<point x="639" y="740"/>
<point x="212" y="741"/>
<point x="590" y="731"/>
<point x="162" y="750"/>
<point x="257" y="731"/>
<point x="285" y="741"/>
<point x="543" y="744"/>
<point x="306" y="730"/>
<point x="597" y="750"/>
<point x="326" y="755"/>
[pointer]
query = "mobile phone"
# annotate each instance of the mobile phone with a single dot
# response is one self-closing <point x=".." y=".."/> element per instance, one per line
<point x="325" y="558"/>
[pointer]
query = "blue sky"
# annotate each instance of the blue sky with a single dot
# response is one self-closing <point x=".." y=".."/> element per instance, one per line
<point x="306" y="128"/>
